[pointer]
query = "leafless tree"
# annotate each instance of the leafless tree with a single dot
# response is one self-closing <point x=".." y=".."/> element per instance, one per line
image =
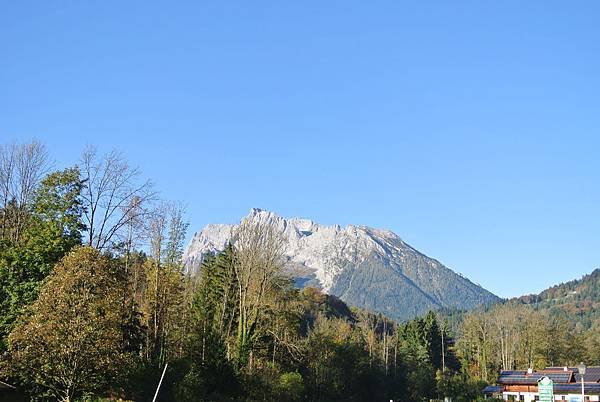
<point x="133" y="232"/>
<point x="258" y="263"/>
<point x="114" y="198"/>
<point x="156" y="230"/>
<point x="165" y="233"/>
<point x="22" y="167"/>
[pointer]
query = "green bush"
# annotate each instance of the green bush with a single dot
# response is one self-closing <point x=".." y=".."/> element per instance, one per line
<point x="291" y="386"/>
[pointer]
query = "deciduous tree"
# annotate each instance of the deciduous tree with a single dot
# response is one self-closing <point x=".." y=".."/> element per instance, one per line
<point x="71" y="341"/>
<point x="258" y="261"/>
<point x="53" y="228"/>
<point x="114" y="196"/>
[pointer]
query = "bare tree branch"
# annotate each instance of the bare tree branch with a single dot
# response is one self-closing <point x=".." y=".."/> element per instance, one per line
<point x="114" y="198"/>
<point x="22" y="167"/>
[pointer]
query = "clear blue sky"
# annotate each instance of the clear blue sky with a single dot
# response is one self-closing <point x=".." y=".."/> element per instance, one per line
<point x="472" y="129"/>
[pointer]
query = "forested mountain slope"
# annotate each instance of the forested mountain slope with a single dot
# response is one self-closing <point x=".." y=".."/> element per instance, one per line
<point x="577" y="300"/>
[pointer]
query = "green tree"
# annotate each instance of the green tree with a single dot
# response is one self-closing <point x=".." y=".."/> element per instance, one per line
<point x="214" y="309"/>
<point x="433" y="337"/>
<point x="415" y="355"/>
<point x="70" y="341"/>
<point x="53" y="228"/>
<point x="211" y="375"/>
<point x="459" y="387"/>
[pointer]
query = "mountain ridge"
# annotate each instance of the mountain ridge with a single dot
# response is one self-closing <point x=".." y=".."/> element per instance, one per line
<point x="367" y="267"/>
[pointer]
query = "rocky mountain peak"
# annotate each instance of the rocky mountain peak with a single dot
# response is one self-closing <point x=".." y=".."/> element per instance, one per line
<point x="367" y="267"/>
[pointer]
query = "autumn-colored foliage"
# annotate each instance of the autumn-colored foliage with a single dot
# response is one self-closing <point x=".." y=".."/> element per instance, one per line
<point x="69" y="342"/>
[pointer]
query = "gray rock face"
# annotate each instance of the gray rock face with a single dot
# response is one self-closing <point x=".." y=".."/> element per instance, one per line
<point x="365" y="267"/>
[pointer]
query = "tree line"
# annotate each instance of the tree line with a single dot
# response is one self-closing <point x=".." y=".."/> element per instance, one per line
<point x="514" y="335"/>
<point x="95" y="302"/>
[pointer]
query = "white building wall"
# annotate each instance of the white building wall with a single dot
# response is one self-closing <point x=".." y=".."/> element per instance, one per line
<point x="530" y="396"/>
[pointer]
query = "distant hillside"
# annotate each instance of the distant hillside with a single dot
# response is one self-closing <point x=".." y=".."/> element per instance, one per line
<point x="577" y="300"/>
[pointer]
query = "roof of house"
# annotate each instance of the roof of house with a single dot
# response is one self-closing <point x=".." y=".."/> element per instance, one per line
<point x="566" y="379"/>
<point x="523" y="377"/>
<point x="592" y="373"/>
<point x="493" y="389"/>
<point x="591" y="388"/>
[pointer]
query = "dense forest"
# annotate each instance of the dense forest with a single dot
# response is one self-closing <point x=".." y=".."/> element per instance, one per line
<point x="95" y="304"/>
<point x="577" y="301"/>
